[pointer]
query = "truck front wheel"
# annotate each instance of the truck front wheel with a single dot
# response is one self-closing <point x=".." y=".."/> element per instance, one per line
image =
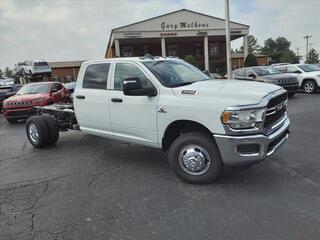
<point x="195" y="158"/>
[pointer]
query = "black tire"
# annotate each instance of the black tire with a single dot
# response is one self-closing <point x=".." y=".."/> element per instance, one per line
<point x="291" y="94"/>
<point x="201" y="140"/>
<point x="309" y="86"/>
<point x="53" y="128"/>
<point x="11" y="121"/>
<point x="43" y="131"/>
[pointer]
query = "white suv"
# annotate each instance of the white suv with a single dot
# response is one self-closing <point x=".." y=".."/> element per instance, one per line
<point x="307" y="74"/>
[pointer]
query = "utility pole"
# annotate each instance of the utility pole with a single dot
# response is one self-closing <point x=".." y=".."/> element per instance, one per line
<point x="228" y="45"/>
<point x="307" y="37"/>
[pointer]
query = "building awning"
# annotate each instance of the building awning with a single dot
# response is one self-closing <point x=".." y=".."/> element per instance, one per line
<point x="65" y="64"/>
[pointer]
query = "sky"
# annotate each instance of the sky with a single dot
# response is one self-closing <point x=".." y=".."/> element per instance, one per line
<point x="60" y="30"/>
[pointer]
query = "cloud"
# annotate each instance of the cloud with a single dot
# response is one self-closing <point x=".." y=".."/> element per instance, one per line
<point x="76" y="30"/>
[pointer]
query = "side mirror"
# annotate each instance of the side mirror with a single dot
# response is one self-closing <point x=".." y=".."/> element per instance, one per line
<point x="132" y="86"/>
<point x="252" y="76"/>
<point x="297" y="71"/>
<point x="53" y="90"/>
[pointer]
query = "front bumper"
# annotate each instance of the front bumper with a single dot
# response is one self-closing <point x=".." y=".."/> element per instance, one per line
<point x="243" y="150"/>
<point x="18" y="113"/>
<point x="291" y="88"/>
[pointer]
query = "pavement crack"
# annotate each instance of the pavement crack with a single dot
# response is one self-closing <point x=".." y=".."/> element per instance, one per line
<point x="296" y="173"/>
<point x="96" y="176"/>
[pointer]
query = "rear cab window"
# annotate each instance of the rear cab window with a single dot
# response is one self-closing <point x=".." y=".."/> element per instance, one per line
<point x="96" y="76"/>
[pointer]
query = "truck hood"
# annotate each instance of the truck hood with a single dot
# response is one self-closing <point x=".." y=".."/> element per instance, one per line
<point x="229" y="92"/>
<point x="27" y="97"/>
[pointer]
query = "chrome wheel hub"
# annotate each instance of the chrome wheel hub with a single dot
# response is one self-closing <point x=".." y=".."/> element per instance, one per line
<point x="194" y="160"/>
<point x="308" y="87"/>
<point x="33" y="132"/>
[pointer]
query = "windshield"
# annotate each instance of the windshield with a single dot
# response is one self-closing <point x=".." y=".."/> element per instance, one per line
<point x="309" y="68"/>
<point x="175" y="73"/>
<point x="263" y="71"/>
<point x="34" y="88"/>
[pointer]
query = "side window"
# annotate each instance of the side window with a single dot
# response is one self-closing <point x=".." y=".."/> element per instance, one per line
<point x="249" y="72"/>
<point x="56" y="86"/>
<point x="240" y="72"/>
<point x="291" y="69"/>
<point x="96" y="76"/>
<point x="282" y="69"/>
<point x="125" y="70"/>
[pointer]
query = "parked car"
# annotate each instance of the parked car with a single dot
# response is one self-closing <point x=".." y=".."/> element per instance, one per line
<point x="308" y="75"/>
<point x="20" y="105"/>
<point x="268" y="74"/>
<point x="34" y="68"/>
<point x="169" y="104"/>
<point x="7" y="82"/>
<point x="213" y="75"/>
<point x="278" y="64"/>
<point x="70" y="87"/>
<point x="6" y="92"/>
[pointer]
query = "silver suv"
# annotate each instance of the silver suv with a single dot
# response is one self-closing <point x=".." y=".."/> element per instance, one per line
<point x="268" y="74"/>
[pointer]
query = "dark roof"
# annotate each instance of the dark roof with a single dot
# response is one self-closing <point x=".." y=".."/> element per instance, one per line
<point x="241" y="55"/>
<point x="65" y="64"/>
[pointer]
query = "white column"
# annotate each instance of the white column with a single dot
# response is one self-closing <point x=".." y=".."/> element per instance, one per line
<point x="117" y="47"/>
<point x="206" y="53"/>
<point x="228" y="44"/>
<point x="163" y="47"/>
<point x="245" y="46"/>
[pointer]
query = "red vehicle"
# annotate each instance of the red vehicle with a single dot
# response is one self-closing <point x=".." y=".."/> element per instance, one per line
<point x="20" y="106"/>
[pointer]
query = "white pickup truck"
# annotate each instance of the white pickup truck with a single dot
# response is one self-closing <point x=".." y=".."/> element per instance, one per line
<point x="166" y="103"/>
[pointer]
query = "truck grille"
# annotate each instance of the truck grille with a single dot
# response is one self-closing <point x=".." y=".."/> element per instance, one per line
<point x="287" y="81"/>
<point x="276" y="109"/>
<point x="20" y="103"/>
<point x="19" y="113"/>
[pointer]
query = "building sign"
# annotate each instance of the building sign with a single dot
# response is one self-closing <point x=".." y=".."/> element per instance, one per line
<point x="132" y="35"/>
<point x="202" y="33"/>
<point x="235" y="31"/>
<point x="183" y="25"/>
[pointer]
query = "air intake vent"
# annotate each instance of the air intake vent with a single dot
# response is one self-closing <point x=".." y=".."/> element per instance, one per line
<point x="189" y="92"/>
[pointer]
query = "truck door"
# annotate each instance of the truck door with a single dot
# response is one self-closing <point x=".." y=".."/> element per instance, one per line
<point x="133" y="117"/>
<point x="91" y="99"/>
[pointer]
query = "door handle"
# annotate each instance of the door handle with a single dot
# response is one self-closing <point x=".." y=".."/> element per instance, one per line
<point x="80" y="97"/>
<point x="116" y="99"/>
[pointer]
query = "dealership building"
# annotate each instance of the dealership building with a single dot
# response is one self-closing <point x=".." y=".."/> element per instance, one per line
<point x="178" y="33"/>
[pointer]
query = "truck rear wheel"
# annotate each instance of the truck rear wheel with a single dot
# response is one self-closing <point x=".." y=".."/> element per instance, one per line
<point x="38" y="132"/>
<point x="53" y="128"/>
<point x="195" y="158"/>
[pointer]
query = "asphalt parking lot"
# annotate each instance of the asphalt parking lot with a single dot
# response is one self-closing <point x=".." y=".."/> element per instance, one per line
<point x="88" y="187"/>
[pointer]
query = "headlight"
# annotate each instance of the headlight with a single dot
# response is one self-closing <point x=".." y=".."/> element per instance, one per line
<point x="242" y="119"/>
<point x="38" y="100"/>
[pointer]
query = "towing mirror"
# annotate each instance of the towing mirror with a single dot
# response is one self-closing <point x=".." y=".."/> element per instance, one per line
<point x="132" y="86"/>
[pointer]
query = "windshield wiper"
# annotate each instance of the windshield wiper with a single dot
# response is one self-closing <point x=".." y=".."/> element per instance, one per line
<point x="156" y="63"/>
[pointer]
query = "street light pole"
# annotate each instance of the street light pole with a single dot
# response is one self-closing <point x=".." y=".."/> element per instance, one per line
<point x="228" y="45"/>
<point x="307" y="45"/>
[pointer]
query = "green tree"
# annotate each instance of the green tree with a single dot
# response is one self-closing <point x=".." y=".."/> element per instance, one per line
<point x="1" y="74"/>
<point x="8" y="72"/>
<point x="313" y="56"/>
<point x="190" y="59"/>
<point x="253" y="45"/>
<point x="279" y="50"/>
<point x="251" y="60"/>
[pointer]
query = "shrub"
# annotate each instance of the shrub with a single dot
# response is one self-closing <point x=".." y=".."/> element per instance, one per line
<point x="190" y="59"/>
<point x="251" y="60"/>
